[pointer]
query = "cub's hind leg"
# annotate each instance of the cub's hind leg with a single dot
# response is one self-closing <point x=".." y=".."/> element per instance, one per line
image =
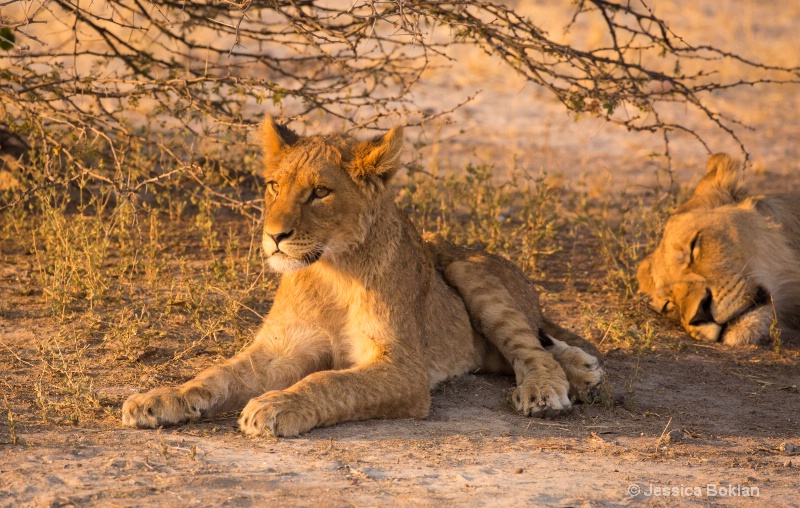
<point x="542" y="386"/>
<point x="488" y="282"/>
<point x="275" y="360"/>
<point x="489" y="297"/>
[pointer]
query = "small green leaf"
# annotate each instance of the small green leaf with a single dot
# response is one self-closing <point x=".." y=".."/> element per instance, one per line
<point x="610" y="106"/>
<point x="6" y="38"/>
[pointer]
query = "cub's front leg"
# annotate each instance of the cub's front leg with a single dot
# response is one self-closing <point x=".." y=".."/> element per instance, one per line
<point x="380" y="389"/>
<point x="276" y="359"/>
<point x="278" y="413"/>
<point x="169" y="405"/>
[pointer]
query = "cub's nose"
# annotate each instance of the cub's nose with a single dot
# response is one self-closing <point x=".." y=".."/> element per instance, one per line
<point x="279" y="237"/>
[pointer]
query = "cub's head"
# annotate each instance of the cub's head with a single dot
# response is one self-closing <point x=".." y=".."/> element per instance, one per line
<point x="704" y="272"/>
<point x="322" y="192"/>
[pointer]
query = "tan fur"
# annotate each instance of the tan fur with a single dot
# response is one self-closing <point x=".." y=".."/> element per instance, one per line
<point x="364" y="321"/>
<point x="505" y="309"/>
<point x="728" y="264"/>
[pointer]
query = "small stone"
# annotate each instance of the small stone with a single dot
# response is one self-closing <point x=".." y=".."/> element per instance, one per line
<point x="787" y="448"/>
<point x="119" y="463"/>
<point x="675" y="436"/>
<point x="788" y="463"/>
<point x="518" y="470"/>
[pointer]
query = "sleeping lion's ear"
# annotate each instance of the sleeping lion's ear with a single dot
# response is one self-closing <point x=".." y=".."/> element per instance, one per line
<point x="721" y="185"/>
<point x="275" y="137"/>
<point x="379" y="156"/>
<point x="644" y="275"/>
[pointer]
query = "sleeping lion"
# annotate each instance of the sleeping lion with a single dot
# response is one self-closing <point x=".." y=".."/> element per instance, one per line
<point x="728" y="264"/>
<point x="369" y="315"/>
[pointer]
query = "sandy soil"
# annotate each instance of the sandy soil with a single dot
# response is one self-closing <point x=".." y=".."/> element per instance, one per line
<point x="686" y="416"/>
<point x="732" y="412"/>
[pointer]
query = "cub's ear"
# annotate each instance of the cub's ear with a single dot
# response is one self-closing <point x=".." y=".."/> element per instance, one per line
<point x="722" y="185"/>
<point x="275" y="137"/>
<point x="379" y="156"/>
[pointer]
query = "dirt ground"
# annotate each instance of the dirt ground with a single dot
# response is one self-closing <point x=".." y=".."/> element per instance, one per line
<point x="708" y="424"/>
<point x="732" y="409"/>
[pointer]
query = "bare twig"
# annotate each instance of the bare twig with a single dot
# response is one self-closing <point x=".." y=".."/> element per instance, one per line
<point x="160" y="67"/>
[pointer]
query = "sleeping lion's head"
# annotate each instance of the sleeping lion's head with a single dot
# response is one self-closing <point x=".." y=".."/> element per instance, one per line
<point x="323" y="192"/>
<point x="727" y="265"/>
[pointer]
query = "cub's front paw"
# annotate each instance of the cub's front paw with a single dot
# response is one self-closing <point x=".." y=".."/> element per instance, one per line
<point x="542" y="396"/>
<point x="277" y="413"/>
<point x="164" y="406"/>
<point x="583" y="371"/>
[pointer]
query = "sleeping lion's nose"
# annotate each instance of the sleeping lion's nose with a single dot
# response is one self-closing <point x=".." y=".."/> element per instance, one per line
<point x="703" y="313"/>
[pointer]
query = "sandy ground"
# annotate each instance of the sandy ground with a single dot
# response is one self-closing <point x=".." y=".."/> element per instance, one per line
<point x="734" y="409"/>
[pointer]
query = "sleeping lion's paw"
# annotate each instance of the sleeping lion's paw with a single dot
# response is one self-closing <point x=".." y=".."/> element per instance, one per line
<point x="165" y="406"/>
<point x="276" y="413"/>
<point x="543" y="392"/>
<point x="752" y="328"/>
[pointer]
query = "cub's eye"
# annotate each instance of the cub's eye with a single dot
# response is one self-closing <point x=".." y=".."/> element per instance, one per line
<point x="319" y="193"/>
<point x="694" y="248"/>
<point x="273" y="187"/>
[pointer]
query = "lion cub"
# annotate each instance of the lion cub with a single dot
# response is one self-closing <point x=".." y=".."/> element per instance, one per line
<point x="368" y="315"/>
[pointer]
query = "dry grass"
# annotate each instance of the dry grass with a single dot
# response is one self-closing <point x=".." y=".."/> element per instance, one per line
<point x="125" y="289"/>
